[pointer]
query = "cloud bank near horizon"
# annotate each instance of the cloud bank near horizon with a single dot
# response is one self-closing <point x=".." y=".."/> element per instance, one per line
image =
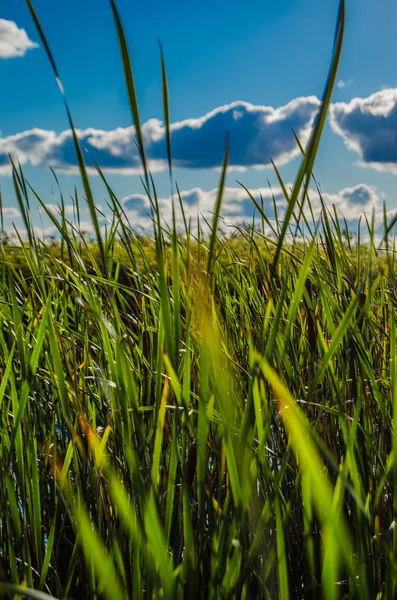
<point x="350" y="203"/>
<point x="256" y="135"/>
<point x="237" y="208"/>
<point x="14" y="42"/>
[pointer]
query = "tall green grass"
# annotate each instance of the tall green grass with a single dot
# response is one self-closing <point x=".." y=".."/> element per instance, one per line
<point x="194" y="416"/>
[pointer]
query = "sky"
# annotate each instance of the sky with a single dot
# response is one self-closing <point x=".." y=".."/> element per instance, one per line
<point x="254" y="72"/>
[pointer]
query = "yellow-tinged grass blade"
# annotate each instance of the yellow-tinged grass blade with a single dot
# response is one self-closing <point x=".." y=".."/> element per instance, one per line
<point x="314" y="470"/>
<point x="158" y="546"/>
<point x="96" y="555"/>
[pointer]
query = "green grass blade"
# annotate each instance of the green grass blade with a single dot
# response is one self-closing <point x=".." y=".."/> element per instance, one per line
<point x="312" y="147"/>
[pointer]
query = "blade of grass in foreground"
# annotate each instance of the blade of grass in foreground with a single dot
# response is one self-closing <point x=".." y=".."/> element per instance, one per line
<point x="218" y="204"/>
<point x="79" y="153"/>
<point x="393" y="382"/>
<point x="166" y="110"/>
<point x="307" y="164"/>
<point x="158" y="546"/>
<point x="130" y="84"/>
<point x="312" y="467"/>
<point x="281" y="553"/>
<point x="19" y="590"/>
<point x="96" y="555"/>
<point x="339" y="333"/>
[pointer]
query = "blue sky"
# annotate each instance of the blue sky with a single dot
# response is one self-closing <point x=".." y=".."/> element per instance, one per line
<point x="255" y="72"/>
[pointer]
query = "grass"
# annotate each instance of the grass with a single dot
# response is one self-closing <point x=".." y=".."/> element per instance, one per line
<point x="198" y="416"/>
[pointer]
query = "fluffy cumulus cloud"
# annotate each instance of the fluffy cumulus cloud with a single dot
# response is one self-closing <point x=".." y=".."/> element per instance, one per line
<point x="11" y="212"/>
<point x="256" y="134"/>
<point x="13" y="40"/>
<point x="350" y="202"/>
<point x="55" y="209"/>
<point x="368" y="126"/>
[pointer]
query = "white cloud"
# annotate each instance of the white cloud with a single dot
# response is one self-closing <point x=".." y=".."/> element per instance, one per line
<point x="350" y="202"/>
<point x="256" y="134"/>
<point x="368" y="127"/>
<point x="13" y="40"/>
<point x="10" y="212"/>
<point x="55" y="209"/>
<point x="342" y="84"/>
<point x="236" y="206"/>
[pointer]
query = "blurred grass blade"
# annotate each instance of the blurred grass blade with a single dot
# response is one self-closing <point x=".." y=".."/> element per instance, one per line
<point x="19" y="590"/>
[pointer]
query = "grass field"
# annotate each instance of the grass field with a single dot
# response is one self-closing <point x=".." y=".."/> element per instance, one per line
<point x="195" y="415"/>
